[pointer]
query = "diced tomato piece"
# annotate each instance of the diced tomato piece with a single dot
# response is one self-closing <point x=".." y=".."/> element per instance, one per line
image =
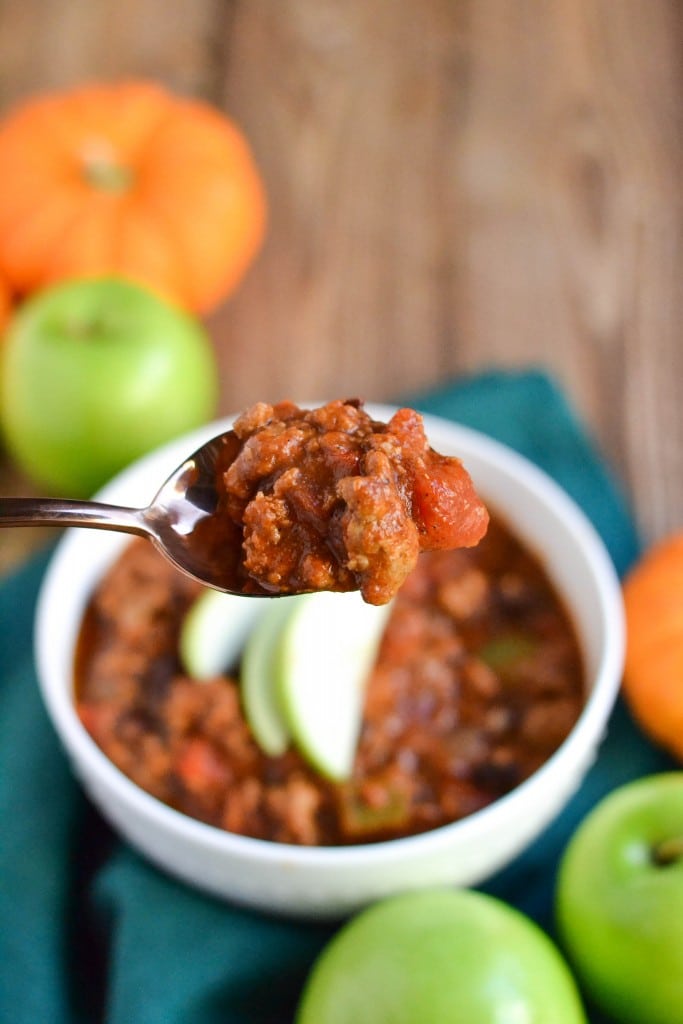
<point x="98" y="719"/>
<point x="200" y="767"/>
<point x="446" y="507"/>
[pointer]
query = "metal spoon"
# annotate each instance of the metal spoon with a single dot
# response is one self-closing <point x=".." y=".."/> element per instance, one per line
<point x="184" y="521"/>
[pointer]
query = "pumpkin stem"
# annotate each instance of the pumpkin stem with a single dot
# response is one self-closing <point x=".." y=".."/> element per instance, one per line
<point x="103" y="170"/>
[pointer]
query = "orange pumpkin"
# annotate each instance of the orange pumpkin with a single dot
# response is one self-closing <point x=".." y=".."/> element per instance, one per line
<point x="5" y="305"/>
<point x="132" y="180"/>
<point x="653" y="673"/>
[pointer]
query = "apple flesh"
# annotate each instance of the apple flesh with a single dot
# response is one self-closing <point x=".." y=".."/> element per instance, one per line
<point x="304" y="663"/>
<point x="214" y="631"/>
<point x="442" y="957"/>
<point x="258" y="684"/>
<point x="95" y="373"/>
<point x="327" y="648"/>
<point x="620" y="901"/>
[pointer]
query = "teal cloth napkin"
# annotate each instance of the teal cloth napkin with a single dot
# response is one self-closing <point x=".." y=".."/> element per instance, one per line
<point x="90" y="932"/>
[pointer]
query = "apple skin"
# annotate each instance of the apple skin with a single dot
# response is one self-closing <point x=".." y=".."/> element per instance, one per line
<point x="96" y="372"/>
<point x="619" y="911"/>
<point x="442" y="957"/>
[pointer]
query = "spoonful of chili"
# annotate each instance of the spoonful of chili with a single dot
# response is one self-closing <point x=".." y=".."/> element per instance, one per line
<point x="292" y="501"/>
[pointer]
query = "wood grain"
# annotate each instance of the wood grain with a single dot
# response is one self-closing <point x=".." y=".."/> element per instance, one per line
<point x="454" y="184"/>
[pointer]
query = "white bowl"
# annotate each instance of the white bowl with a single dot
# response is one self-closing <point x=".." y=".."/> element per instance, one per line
<point x="333" y="881"/>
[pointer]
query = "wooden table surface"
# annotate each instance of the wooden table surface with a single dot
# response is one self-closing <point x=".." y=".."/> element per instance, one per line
<point x="454" y="185"/>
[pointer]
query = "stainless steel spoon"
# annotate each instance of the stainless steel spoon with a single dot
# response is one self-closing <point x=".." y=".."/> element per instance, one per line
<point x="185" y="521"/>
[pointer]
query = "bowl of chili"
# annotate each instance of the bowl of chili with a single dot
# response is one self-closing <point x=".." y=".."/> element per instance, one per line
<point x="492" y="690"/>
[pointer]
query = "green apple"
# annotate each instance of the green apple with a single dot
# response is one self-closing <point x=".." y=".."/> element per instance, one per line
<point x="322" y="662"/>
<point x="214" y="631"/>
<point x="95" y="373"/>
<point x="440" y="957"/>
<point x="260" y="699"/>
<point x="620" y="901"/>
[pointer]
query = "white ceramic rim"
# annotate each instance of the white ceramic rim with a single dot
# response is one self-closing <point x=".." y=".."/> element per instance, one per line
<point x="585" y="734"/>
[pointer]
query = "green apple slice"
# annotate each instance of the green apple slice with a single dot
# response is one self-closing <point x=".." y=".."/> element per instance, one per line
<point x="326" y="650"/>
<point x="260" y="699"/>
<point x="214" y="632"/>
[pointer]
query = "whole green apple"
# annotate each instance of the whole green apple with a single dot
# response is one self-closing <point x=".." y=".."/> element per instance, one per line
<point x="96" y="372"/>
<point x="620" y="901"/>
<point x="440" y="957"/>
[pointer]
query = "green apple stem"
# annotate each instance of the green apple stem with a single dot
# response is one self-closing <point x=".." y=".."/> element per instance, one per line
<point x="668" y="851"/>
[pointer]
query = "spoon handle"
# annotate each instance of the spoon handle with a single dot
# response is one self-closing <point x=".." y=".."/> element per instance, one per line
<point x="68" y="512"/>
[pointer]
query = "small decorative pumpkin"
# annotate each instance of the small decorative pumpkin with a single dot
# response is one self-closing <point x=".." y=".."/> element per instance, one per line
<point x="5" y="305"/>
<point x="653" y="673"/>
<point x="128" y="179"/>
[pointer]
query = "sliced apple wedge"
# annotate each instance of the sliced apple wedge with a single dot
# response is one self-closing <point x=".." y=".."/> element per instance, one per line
<point x="325" y="653"/>
<point x="303" y="664"/>
<point x="260" y="699"/>
<point x="215" y="630"/>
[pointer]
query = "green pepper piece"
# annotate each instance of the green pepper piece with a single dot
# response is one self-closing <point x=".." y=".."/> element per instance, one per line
<point x="505" y="651"/>
<point x="358" y="818"/>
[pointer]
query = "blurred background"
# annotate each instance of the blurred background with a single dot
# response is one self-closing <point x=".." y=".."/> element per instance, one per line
<point x="453" y="185"/>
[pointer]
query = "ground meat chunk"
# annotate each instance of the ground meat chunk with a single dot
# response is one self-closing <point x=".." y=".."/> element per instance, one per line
<point x="329" y="499"/>
<point x="295" y="805"/>
<point x="381" y="542"/>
